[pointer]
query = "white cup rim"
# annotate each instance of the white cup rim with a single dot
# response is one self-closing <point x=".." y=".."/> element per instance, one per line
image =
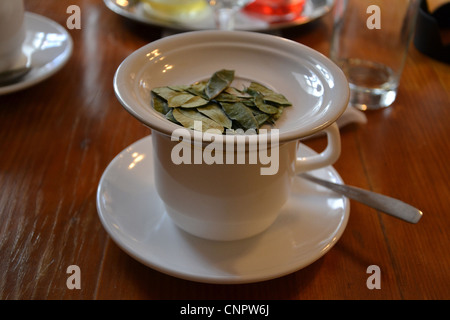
<point x="332" y="102"/>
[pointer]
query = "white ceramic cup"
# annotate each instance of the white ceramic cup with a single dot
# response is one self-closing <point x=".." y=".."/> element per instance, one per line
<point x="12" y="32"/>
<point x="231" y="201"/>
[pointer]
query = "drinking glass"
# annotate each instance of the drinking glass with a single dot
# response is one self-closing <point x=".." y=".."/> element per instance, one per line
<point x="370" y="43"/>
<point x="225" y="12"/>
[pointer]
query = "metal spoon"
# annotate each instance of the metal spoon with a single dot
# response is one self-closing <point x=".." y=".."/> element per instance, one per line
<point x="10" y="76"/>
<point x="391" y="206"/>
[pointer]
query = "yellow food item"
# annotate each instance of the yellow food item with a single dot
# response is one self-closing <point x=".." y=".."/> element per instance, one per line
<point x="178" y="9"/>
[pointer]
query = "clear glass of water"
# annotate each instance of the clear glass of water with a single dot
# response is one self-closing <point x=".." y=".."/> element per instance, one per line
<point x="370" y="43"/>
<point x="225" y="12"/>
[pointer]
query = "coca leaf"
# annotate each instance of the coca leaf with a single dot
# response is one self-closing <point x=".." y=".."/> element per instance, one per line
<point x="216" y="113"/>
<point x="219" y="81"/>
<point x="241" y="113"/>
<point x="188" y="117"/>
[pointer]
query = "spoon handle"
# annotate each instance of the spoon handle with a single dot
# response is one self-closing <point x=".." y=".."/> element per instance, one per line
<point x="391" y="206"/>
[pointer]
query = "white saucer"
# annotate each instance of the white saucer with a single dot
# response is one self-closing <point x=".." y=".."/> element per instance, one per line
<point x="130" y="210"/>
<point x="47" y="48"/>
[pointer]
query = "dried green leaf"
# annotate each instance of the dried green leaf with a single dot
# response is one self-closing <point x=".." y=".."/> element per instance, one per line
<point x="169" y="116"/>
<point x="237" y="93"/>
<point x="226" y="97"/>
<point x="242" y="114"/>
<point x="216" y="113"/>
<point x="159" y="104"/>
<point x="261" y="105"/>
<point x="195" y="102"/>
<point x="186" y="100"/>
<point x="188" y="117"/>
<point x="178" y="87"/>
<point x="179" y="98"/>
<point x="277" y="115"/>
<point x="258" y="87"/>
<point x="219" y="81"/>
<point x="164" y="92"/>
<point x="261" y="118"/>
<point x="268" y="94"/>
<point x="199" y="85"/>
<point x="249" y="103"/>
<point x="277" y="98"/>
<point x="198" y="89"/>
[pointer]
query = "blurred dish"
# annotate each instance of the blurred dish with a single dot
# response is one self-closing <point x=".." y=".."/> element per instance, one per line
<point x="137" y="11"/>
<point x="47" y="48"/>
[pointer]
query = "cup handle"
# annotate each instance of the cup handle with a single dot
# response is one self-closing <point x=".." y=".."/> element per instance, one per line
<point x="327" y="157"/>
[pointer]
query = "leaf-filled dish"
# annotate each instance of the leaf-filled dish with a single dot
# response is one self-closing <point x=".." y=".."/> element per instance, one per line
<point x="219" y="105"/>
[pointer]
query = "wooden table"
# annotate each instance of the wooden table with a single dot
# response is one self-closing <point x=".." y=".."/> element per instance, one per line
<point x="56" y="139"/>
